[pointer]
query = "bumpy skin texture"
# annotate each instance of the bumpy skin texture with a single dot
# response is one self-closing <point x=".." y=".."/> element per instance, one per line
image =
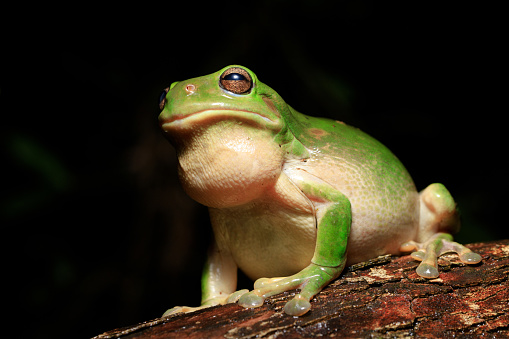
<point x="294" y="196"/>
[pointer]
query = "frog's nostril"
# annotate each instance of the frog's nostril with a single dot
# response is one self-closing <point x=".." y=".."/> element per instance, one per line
<point x="190" y="88"/>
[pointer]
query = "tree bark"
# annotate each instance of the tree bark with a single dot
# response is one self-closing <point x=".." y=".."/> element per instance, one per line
<point x="382" y="298"/>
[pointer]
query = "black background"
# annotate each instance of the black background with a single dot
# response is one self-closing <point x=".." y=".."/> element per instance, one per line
<point x="98" y="233"/>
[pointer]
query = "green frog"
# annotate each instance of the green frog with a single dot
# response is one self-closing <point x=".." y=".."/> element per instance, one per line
<point x="293" y="198"/>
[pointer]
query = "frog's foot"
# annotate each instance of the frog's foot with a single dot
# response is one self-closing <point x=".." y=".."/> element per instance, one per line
<point x="310" y="281"/>
<point x="429" y="251"/>
<point x="232" y="298"/>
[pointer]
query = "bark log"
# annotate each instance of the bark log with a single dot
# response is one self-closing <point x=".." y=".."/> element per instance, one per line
<point x="382" y="298"/>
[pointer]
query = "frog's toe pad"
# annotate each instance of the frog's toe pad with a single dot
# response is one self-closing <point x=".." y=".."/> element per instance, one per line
<point x="297" y="307"/>
<point x="418" y="255"/>
<point x="250" y="299"/>
<point x="408" y="246"/>
<point x="235" y="296"/>
<point x="470" y="258"/>
<point x="178" y="309"/>
<point x="427" y="271"/>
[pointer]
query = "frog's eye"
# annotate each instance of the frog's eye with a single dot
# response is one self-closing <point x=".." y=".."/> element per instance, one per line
<point x="162" y="98"/>
<point x="236" y="80"/>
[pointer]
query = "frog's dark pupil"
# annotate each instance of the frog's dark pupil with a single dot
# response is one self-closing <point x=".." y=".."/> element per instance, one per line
<point x="234" y="76"/>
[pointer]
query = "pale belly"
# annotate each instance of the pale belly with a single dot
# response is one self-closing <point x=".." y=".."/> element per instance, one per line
<point x="268" y="240"/>
<point x="265" y="240"/>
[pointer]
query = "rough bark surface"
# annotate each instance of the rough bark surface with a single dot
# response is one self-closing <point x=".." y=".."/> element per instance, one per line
<point x="382" y="298"/>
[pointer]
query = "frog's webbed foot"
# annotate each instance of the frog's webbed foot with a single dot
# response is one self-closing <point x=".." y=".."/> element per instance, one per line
<point x="310" y="281"/>
<point x="429" y="251"/>
<point x="232" y="298"/>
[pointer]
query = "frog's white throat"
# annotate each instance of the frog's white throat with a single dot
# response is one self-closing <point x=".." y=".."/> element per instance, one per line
<point x="229" y="164"/>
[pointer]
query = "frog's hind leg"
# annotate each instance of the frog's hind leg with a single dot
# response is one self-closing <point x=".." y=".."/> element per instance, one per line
<point x="439" y="218"/>
<point x="438" y="212"/>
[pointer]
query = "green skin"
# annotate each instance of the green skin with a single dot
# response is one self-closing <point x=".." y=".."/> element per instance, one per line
<point x="293" y="196"/>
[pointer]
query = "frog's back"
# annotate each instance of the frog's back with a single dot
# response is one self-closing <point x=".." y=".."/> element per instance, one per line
<point x="380" y="190"/>
<point x="339" y="144"/>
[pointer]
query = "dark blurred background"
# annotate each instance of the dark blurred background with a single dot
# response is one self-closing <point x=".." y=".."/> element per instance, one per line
<point x="97" y="232"/>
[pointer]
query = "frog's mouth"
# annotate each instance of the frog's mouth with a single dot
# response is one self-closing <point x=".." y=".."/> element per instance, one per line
<point x="180" y="121"/>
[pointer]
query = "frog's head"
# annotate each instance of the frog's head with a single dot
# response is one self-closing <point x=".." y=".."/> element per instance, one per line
<point x="231" y="135"/>
<point x="234" y="93"/>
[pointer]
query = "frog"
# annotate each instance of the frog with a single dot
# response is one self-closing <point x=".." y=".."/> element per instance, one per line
<point x="292" y="198"/>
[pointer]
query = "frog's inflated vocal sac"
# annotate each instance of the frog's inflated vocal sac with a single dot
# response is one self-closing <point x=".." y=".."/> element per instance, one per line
<point x="294" y="198"/>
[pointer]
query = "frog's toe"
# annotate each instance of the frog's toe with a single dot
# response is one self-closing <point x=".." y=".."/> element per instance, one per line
<point x="263" y="282"/>
<point x="465" y="254"/>
<point x="220" y="300"/>
<point x="266" y="287"/>
<point x="470" y="258"/>
<point x="418" y="255"/>
<point x="297" y="306"/>
<point x="427" y="271"/>
<point x="179" y="309"/>
<point x="251" y="300"/>
<point x="408" y="246"/>
<point x="235" y="296"/>
<point x="170" y="311"/>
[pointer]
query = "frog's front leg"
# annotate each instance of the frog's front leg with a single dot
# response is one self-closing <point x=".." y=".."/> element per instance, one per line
<point x="219" y="280"/>
<point x="333" y="217"/>
<point x="438" y="218"/>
